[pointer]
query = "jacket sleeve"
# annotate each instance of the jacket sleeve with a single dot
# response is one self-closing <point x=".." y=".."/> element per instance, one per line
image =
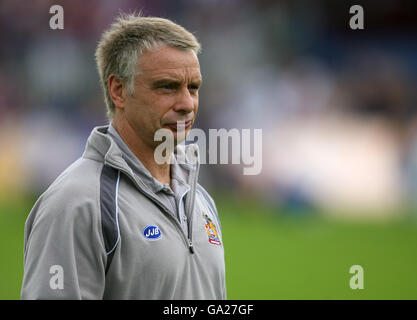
<point x="64" y="253"/>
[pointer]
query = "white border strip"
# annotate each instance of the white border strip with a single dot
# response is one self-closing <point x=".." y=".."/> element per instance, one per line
<point x="117" y="212"/>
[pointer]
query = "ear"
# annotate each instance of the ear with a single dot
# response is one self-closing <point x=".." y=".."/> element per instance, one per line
<point x="117" y="91"/>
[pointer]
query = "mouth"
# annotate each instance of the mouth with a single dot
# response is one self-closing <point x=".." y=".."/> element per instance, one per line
<point x="179" y="125"/>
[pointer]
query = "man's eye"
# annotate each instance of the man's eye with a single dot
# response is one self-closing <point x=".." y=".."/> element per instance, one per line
<point x="168" y="87"/>
<point x="193" y="87"/>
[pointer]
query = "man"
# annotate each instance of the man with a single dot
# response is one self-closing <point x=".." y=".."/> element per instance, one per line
<point x="117" y="224"/>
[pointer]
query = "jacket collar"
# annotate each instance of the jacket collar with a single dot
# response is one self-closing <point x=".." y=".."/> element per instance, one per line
<point x="101" y="147"/>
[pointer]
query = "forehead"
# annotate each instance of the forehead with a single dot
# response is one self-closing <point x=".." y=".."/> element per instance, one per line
<point x="169" y="61"/>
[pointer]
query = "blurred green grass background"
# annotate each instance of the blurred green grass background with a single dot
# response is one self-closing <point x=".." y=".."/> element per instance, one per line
<point x="273" y="255"/>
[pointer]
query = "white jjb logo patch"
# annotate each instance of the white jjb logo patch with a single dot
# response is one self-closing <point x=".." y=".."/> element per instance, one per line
<point x="152" y="232"/>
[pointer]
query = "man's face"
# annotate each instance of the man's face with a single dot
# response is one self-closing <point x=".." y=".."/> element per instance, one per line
<point x="165" y="92"/>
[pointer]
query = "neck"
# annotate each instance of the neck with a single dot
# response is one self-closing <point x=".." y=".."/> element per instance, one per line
<point x="143" y="151"/>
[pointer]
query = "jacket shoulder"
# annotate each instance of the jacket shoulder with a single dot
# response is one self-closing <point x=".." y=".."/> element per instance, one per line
<point x="78" y="179"/>
<point x="84" y="195"/>
<point x="74" y="190"/>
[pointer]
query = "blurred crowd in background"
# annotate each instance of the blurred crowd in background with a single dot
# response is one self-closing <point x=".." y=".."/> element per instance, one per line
<point x="337" y="106"/>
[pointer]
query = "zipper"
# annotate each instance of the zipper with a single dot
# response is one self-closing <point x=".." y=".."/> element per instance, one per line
<point x="167" y="212"/>
<point x="190" y="243"/>
<point x="190" y="246"/>
<point x="190" y="207"/>
<point x="180" y="212"/>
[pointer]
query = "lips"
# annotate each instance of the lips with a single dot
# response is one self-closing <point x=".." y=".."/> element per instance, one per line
<point x="180" y="125"/>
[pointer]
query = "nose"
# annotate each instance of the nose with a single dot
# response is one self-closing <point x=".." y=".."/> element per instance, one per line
<point x="185" y="102"/>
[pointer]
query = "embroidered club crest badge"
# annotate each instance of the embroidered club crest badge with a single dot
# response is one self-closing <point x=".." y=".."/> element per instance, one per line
<point x="211" y="230"/>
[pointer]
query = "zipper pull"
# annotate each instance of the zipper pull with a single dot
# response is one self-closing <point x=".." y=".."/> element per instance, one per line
<point x="190" y="246"/>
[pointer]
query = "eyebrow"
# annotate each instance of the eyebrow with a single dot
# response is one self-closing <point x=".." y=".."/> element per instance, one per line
<point x="160" y="82"/>
<point x="164" y="81"/>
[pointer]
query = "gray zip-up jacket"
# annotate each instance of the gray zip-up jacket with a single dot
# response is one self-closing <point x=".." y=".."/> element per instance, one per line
<point x="99" y="232"/>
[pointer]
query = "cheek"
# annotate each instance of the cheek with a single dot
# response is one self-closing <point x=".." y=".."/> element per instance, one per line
<point x="163" y="105"/>
<point x="145" y="109"/>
